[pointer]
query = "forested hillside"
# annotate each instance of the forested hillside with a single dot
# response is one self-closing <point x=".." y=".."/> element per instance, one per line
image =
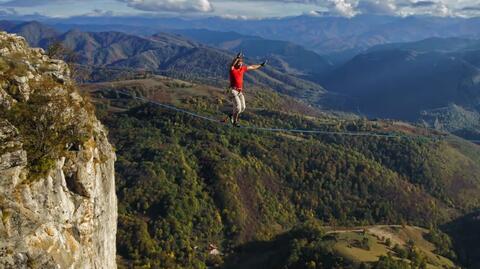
<point x="176" y="197"/>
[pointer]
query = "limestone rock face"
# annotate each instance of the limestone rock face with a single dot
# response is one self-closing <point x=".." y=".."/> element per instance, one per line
<point x="58" y="207"/>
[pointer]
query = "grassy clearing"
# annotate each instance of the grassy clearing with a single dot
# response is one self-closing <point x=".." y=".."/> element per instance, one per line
<point x="348" y="244"/>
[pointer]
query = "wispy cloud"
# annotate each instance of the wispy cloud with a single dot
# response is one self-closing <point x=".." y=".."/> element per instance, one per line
<point x="99" y="13"/>
<point x="8" y="11"/>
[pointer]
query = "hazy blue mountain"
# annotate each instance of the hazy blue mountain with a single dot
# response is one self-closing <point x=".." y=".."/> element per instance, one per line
<point x="36" y="33"/>
<point x="401" y="83"/>
<point x="434" y="81"/>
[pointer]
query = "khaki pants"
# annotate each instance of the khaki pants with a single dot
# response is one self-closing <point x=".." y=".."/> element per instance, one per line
<point x="238" y="102"/>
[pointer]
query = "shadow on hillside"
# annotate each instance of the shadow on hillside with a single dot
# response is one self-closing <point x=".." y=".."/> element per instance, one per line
<point x="258" y="254"/>
<point x="465" y="233"/>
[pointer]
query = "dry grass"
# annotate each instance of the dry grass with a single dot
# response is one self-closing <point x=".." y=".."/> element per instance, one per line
<point x="377" y="237"/>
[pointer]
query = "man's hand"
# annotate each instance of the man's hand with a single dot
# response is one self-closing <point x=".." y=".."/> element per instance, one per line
<point x="239" y="55"/>
<point x="264" y="63"/>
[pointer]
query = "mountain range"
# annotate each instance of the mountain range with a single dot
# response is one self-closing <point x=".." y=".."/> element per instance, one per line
<point x="322" y="34"/>
<point x="161" y="53"/>
<point x="414" y="81"/>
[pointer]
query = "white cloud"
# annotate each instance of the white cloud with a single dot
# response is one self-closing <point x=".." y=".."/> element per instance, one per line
<point x="442" y="10"/>
<point x="170" y="5"/>
<point x="344" y="8"/>
<point x="349" y="8"/>
<point x="434" y="8"/>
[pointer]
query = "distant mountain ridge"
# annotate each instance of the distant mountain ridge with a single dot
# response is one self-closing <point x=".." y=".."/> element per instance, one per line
<point x="453" y="44"/>
<point x="323" y="34"/>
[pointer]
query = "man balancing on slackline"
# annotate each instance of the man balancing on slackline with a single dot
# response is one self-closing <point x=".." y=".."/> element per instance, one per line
<point x="237" y="69"/>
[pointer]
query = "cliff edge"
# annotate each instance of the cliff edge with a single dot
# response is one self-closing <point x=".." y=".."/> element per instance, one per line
<point x="58" y="206"/>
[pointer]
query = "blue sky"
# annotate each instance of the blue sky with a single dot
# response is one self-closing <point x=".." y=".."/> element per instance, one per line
<point x="241" y="8"/>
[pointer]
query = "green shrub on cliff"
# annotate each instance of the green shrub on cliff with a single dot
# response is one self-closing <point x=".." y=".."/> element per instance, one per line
<point x="50" y="123"/>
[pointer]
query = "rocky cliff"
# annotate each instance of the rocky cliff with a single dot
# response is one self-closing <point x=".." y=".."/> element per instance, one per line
<point x="58" y="205"/>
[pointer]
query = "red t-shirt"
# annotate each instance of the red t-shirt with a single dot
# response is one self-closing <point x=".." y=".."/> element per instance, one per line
<point x="236" y="77"/>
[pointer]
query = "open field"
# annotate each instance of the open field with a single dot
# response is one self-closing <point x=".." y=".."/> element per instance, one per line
<point x="348" y="243"/>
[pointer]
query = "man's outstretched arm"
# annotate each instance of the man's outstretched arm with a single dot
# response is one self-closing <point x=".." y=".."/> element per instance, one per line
<point x="256" y="66"/>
